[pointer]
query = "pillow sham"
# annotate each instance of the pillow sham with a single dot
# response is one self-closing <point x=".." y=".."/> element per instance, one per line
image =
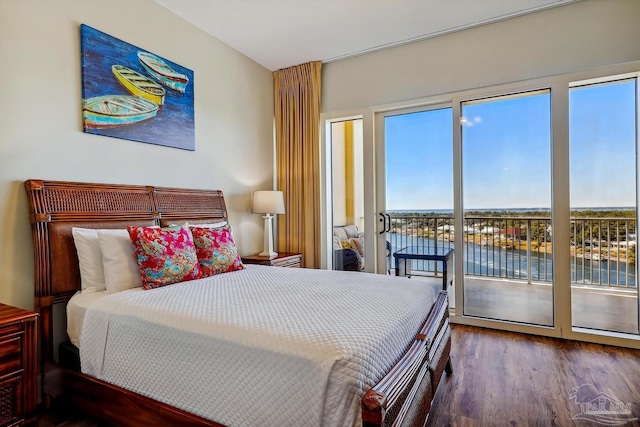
<point x="164" y="255"/>
<point x="89" y="259"/>
<point x="216" y="250"/>
<point x="121" y="269"/>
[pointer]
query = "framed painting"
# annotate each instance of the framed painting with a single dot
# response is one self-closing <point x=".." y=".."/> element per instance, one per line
<point x="134" y="94"/>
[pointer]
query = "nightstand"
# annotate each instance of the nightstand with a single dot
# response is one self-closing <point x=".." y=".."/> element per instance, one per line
<point x="18" y="366"/>
<point x="282" y="260"/>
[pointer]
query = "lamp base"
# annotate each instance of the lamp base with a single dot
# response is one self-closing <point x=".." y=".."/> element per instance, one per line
<point x="271" y="255"/>
<point x="267" y="249"/>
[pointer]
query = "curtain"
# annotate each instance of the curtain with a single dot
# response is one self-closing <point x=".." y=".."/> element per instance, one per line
<point x="297" y="120"/>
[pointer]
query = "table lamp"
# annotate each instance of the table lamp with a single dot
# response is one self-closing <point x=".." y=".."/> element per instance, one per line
<point x="268" y="203"/>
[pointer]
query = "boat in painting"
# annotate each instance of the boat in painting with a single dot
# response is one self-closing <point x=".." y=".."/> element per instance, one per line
<point x="162" y="72"/>
<point x="138" y="84"/>
<point x="116" y="110"/>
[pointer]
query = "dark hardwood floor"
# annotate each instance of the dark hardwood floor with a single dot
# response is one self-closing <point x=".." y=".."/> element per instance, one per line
<point x="509" y="379"/>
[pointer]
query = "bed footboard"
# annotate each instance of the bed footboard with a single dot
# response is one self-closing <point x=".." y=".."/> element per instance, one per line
<point x="403" y="396"/>
<point x="120" y="407"/>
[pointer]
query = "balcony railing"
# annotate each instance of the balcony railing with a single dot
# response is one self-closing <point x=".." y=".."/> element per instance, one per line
<point x="519" y="248"/>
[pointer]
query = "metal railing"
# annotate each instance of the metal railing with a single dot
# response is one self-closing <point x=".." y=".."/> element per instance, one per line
<point x="519" y="248"/>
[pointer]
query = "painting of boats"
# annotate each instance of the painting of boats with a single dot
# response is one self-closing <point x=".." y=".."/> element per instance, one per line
<point x="166" y="75"/>
<point x="138" y="84"/>
<point x="116" y="110"/>
<point x="122" y="98"/>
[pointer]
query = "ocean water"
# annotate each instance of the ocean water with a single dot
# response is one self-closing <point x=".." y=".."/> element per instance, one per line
<point x="517" y="210"/>
<point x="511" y="263"/>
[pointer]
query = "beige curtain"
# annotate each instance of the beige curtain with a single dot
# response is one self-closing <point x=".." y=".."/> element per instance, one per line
<point x="297" y="116"/>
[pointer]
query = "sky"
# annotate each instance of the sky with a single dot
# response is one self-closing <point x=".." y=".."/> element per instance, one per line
<point x="506" y="152"/>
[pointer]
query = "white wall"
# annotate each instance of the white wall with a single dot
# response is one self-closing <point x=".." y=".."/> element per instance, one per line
<point x="41" y="130"/>
<point x="574" y="37"/>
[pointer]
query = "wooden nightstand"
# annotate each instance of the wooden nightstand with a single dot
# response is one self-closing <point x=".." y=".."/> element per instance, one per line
<point x="18" y="366"/>
<point x="282" y="260"/>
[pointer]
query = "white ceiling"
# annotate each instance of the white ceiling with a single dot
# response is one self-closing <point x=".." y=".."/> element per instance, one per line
<point x="282" y="33"/>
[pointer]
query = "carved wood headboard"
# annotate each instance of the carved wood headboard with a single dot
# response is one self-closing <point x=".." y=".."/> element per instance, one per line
<point x="57" y="206"/>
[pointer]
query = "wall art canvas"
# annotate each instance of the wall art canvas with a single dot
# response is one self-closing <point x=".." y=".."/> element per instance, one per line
<point x="130" y="93"/>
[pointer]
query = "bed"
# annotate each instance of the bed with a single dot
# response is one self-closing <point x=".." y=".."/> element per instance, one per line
<point x="397" y="372"/>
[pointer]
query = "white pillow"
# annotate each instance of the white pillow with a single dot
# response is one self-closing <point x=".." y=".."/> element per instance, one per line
<point x="89" y="259"/>
<point x="121" y="269"/>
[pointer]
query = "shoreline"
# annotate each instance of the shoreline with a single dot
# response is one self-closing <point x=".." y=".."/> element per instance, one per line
<point x="502" y="242"/>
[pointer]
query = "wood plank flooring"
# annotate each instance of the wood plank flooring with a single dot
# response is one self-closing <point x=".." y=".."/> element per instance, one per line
<point x="509" y="379"/>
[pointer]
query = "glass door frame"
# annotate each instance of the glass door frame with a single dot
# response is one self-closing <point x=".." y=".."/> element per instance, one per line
<point x="326" y="184"/>
<point x="576" y="83"/>
<point x="455" y="102"/>
<point x="380" y="168"/>
<point x="521" y="94"/>
<point x="373" y="146"/>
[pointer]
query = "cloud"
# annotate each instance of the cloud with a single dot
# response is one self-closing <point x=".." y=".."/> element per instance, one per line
<point x="468" y="122"/>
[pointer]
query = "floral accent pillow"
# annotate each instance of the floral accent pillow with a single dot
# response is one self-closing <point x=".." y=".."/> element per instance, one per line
<point x="217" y="252"/>
<point x="165" y="255"/>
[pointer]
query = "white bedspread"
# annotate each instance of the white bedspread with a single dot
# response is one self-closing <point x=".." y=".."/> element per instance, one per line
<point x="76" y="309"/>
<point x="264" y="346"/>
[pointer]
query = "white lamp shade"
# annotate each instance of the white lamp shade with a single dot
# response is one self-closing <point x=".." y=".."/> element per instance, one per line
<point x="268" y="202"/>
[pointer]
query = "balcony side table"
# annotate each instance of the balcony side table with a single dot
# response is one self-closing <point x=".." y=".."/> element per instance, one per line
<point x="405" y="256"/>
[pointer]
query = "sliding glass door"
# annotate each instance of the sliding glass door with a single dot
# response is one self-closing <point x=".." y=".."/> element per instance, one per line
<point x="418" y="186"/>
<point x="533" y="185"/>
<point x="347" y="190"/>
<point x="603" y="154"/>
<point x="506" y="176"/>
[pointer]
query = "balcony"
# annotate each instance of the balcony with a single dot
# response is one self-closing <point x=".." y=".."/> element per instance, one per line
<point x="508" y="266"/>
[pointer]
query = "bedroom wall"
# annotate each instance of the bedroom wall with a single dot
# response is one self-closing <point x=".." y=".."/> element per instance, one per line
<point x="41" y="130"/>
<point x="574" y="37"/>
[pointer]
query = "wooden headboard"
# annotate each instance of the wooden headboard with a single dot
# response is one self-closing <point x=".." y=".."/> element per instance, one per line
<point x="57" y="206"/>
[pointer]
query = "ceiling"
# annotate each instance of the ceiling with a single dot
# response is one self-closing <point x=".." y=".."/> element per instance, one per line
<point x="282" y="33"/>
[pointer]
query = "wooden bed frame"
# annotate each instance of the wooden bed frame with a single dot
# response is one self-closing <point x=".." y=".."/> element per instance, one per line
<point x="401" y="398"/>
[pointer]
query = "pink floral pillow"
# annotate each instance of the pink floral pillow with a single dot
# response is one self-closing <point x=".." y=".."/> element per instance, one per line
<point x="165" y="255"/>
<point x="217" y="252"/>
